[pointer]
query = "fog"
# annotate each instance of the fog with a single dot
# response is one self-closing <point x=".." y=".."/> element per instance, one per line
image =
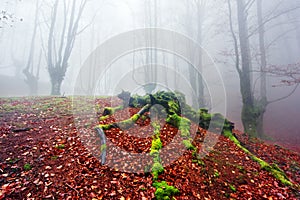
<point x="202" y="21"/>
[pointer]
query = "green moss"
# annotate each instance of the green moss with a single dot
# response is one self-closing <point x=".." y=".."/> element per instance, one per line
<point x="104" y="126"/>
<point x="153" y="152"/>
<point x="156" y="144"/>
<point x="108" y="111"/>
<point x="135" y="117"/>
<point x="205" y="118"/>
<point x="103" y="147"/>
<point x="203" y="110"/>
<point x="174" y="120"/>
<point x="27" y="167"/>
<point x="188" y="145"/>
<point x="125" y="124"/>
<point x="61" y="146"/>
<point x="164" y="191"/>
<point x="273" y="169"/>
<point x="157" y="169"/>
<point x="199" y="162"/>
<point x="138" y="101"/>
<point x="233" y="189"/>
<point x="173" y="107"/>
<point x="182" y="123"/>
<point x="241" y="169"/>
<point x="12" y="161"/>
<point x="190" y="113"/>
<point x="156" y="128"/>
<point x="156" y="158"/>
<point x="103" y="117"/>
<point x="216" y="174"/>
<point x="111" y="111"/>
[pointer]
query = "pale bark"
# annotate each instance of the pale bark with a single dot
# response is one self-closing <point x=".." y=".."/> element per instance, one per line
<point x="58" y="60"/>
<point x="263" y="65"/>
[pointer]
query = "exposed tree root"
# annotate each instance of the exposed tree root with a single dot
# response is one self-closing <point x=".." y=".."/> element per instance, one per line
<point x="273" y="168"/>
<point x="175" y="106"/>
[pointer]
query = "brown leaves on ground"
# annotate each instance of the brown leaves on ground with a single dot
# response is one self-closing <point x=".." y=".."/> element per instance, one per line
<point x="62" y="164"/>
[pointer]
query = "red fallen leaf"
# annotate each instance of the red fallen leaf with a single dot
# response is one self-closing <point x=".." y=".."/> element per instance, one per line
<point x="113" y="182"/>
<point x="6" y="187"/>
<point x="2" y="195"/>
<point x="92" y="195"/>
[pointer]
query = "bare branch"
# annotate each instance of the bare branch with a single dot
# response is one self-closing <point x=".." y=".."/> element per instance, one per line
<point x="237" y="59"/>
<point x="89" y="24"/>
<point x="62" y="39"/>
<point x="51" y="32"/>
<point x="288" y="95"/>
<point x="279" y="36"/>
<point x="272" y="18"/>
<point x="249" y="5"/>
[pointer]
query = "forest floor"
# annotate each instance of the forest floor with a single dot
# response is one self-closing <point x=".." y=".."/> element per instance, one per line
<point x="43" y="156"/>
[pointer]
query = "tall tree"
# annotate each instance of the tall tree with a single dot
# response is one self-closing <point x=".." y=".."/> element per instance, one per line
<point x="31" y="76"/>
<point x="242" y="50"/>
<point x="253" y="108"/>
<point x="196" y="9"/>
<point x="151" y="20"/>
<point x="263" y="64"/>
<point x="58" y="58"/>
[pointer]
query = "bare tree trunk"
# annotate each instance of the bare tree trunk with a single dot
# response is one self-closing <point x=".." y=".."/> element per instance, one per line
<point x="195" y="74"/>
<point x="253" y="110"/>
<point x="263" y="65"/>
<point x="58" y="58"/>
<point x="249" y="116"/>
<point x="151" y="54"/>
<point x="200" y="85"/>
<point x="31" y="78"/>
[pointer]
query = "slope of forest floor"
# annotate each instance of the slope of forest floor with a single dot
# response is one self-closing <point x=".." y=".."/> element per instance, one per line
<point x="43" y="157"/>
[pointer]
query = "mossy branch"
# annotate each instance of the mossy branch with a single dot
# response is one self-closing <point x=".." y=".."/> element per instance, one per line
<point x="182" y="123"/>
<point x="108" y="111"/>
<point x="273" y="169"/>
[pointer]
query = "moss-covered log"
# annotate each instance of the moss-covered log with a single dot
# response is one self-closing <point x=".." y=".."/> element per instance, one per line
<point x="180" y="115"/>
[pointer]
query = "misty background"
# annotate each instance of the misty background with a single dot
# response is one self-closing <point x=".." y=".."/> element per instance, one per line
<point x="28" y="34"/>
